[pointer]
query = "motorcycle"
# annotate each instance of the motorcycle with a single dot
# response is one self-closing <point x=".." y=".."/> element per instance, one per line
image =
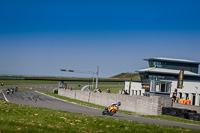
<point x="12" y="90"/>
<point x="111" y="110"/>
<point x="7" y="92"/>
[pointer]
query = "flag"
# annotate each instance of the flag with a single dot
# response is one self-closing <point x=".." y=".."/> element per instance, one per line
<point x="180" y="79"/>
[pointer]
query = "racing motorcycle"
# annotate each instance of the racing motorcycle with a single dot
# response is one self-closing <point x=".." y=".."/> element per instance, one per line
<point x="112" y="109"/>
<point x="7" y="91"/>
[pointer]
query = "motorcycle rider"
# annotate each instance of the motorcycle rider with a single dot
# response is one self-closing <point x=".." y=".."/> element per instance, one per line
<point x="7" y="91"/>
<point x="16" y="89"/>
<point x="115" y="104"/>
<point x="12" y="90"/>
<point x="111" y="109"/>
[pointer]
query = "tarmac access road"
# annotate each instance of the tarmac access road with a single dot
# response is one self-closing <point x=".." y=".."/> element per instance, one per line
<point x="37" y="99"/>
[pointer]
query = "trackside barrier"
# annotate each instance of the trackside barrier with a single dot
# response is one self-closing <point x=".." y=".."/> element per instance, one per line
<point x="138" y="104"/>
<point x="182" y="113"/>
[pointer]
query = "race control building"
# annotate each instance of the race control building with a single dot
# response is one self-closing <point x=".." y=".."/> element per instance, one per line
<point x="161" y="79"/>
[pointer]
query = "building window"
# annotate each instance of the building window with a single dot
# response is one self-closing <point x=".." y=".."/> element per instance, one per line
<point x="151" y="64"/>
<point x="158" y="86"/>
<point x="158" y="64"/>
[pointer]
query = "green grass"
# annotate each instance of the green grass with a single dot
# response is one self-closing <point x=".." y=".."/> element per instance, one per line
<point x="160" y="117"/>
<point x="113" y="89"/>
<point x="128" y="76"/>
<point x="106" y="85"/>
<point x="53" y="78"/>
<point x="171" y="118"/>
<point x="20" y="118"/>
<point x="27" y="82"/>
<point x="38" y="82"/>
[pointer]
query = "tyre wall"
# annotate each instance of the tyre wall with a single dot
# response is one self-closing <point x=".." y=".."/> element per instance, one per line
<point x="182" y="113"/>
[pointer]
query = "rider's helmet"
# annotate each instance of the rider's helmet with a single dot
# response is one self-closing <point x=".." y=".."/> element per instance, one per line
<point x="119" y="103"/>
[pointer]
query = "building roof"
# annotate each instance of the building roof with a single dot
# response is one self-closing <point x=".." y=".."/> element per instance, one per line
<point x="172" y="60"/>
<point x="167" y="71"/>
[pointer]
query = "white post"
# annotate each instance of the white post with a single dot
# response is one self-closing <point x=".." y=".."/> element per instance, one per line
<point x="184" y="96"/>
<point x="191" y="97"/>
<point x="93" y="81"/>
<point x="97" y="74"/>
<point x="197" y="97"/>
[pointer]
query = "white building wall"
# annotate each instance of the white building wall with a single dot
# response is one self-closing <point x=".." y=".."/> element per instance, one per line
<point x="136" y="88"/>
<point x="189" y="87"/>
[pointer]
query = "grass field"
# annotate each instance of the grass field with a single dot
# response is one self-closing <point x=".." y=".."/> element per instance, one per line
<point x="113" y="89"/>
<point x="38" y="82"/>
<point x="19" y="118"/>
<point x="113" y="86"/>
<point x="27" y="82"/>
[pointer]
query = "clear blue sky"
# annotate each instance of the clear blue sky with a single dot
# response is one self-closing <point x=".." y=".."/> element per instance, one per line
<point x="38" y="37"/>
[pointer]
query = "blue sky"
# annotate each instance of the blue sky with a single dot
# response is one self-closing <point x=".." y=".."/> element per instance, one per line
<point x="40" y="37"/>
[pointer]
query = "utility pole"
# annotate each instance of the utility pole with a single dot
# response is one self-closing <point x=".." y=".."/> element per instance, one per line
<point x="97" y="74"/>
<point x="87" y="72"/>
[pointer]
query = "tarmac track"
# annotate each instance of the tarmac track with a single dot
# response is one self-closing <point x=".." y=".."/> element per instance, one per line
<point x="37" y="99"/>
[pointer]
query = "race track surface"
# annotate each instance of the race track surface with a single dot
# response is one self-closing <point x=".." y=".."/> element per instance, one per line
<point x="37" y="99"/>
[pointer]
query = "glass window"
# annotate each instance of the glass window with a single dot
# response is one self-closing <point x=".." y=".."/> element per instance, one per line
<point x="151" y="64"/>
<point x="161" y="86"/>
<point x="155" y="64"/>
<point x="166" y="77"/>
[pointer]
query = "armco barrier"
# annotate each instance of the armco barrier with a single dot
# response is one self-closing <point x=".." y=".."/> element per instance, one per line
<point x="138" y="104"/>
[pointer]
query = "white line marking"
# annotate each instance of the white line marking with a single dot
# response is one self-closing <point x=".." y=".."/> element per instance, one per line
<point x="5" y="97"/>
<point x="52" y="96"/>
<point x="67" y="101"/>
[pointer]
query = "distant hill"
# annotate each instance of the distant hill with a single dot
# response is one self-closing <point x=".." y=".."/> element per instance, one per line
<point x="127" y="76"/>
